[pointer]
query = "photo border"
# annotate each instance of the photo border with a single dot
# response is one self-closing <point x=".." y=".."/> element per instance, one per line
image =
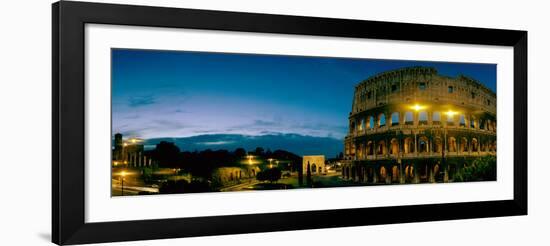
<point x="68" y="24"/>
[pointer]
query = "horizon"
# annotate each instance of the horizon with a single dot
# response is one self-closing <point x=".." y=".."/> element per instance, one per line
<point x="179" y="94"/>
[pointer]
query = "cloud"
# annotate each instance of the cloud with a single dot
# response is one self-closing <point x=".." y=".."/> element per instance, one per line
<point x="221" y="142"/>
<point x="138" y="101"/>
<point x="265" y="123"/>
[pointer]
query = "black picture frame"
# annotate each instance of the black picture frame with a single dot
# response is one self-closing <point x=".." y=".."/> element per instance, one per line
<point x="68" y="107"/>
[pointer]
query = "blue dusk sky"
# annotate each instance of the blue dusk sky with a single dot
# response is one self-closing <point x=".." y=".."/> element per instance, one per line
<point x="180" y="94"/>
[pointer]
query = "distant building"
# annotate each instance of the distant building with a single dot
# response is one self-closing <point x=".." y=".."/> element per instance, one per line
<point x="316" y="164"/>
<point x="129" y="153"/>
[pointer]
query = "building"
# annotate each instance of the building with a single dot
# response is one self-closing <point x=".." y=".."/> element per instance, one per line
<point x="129" y="153"/>
<point x="414" y="125"/>
<point x="316" y="164"/>
<point x="224" y="176"/>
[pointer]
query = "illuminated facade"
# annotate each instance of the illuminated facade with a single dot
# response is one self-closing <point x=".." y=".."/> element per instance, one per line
<point x="129" y="153"/>
<point x="414" y="125"/>
<point x="316" y="164"/>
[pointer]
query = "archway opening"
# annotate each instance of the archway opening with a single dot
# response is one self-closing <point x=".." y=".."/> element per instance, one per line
<point x="395" y="118"/>
<point x="394" y="150"/>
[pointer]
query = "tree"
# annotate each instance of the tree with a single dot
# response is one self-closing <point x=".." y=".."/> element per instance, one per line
<point x="482" y="169"/>
<point x="259" y="151"/>
<point x="272" y="175"/>
<point x="167" y="154"/>
<point x="240" y="153"/>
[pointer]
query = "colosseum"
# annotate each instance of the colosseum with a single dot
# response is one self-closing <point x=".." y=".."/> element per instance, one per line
<point x="413" y="125"/>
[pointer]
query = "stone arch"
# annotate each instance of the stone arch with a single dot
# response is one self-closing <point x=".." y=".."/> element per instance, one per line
<point x="370" y="149"/>
<point x="408" y="119"/>
<point x="451" y="144"/>
<point x="370" y="174"/>
<point x="475" y="145"/>
<point x="352" y="127"/>
<point x="450" y="119"/>
<point x="423" y="118"/>
<point x="395" y="118"/>
<point x="482" y="123"/>
<point x="371" y="122"/>
<point x="436" y="118"/>
<point x="463" y="145"/>
<point x="313" y="168"/>
<point x="381" y="148"/>
<point x="409" y="171"/>
<point x="462" y="120"/>
<point x="394" y="174"/>
<point x="383" y="173"/>
<point x="381" y="120"/>
<point x="473" y="122"/>
<point x="394" y="146"/>
<point x="423" y="145"/>
<point x="438" y="145"/>
<point x="409" y="145"/>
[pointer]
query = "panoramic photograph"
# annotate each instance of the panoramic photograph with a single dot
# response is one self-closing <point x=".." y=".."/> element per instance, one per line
<point x="191" y="122"/>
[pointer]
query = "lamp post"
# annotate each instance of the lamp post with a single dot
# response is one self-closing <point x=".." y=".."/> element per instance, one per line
<point x="122" y="174"/>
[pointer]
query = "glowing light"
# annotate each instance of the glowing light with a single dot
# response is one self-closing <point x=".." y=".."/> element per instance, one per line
<point x="123" y="174"/>
<point x="418" y="107"/>
<point x="451" y="113"/>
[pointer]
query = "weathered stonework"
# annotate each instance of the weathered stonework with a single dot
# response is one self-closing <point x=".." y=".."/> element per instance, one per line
<point x="316" y="164"/>
<point x="414" y="125"/>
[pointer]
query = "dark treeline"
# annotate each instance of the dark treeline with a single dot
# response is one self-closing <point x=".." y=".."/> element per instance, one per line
<point x="203" y="163"/>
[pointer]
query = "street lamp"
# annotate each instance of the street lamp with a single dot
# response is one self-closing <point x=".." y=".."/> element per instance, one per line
<point x="122" y="174"/>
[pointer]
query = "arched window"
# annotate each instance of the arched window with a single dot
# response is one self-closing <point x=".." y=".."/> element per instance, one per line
<point x="423" y="145"/>
<point x="409" y="146"/>
<point x="464" y="145"/>
<point x="352" y="127"/>
<point x="361" y="125"/>
<point x="394" y="174"/>
<point x="381" y="120"/>
<point x="462" y="120"/>
<point x="436" y="118"/>
<point x="381" y="148"/>
<point x="451" y="144"/>
<point x="371" y="122"/>
<point x="408" y="118"/>
<point x="370" y="150"/>
<point x="472" y="122"/>
<point x="395" y="118"/>
<point x="475" y="145"/>
<point x="383" y="173"/>
<point x="482" y="124"/>
<point x="423" y="118"/>
<point x="450" y="119"/>
<point x="394" y="149"/>
<point x="438" y="145"/>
